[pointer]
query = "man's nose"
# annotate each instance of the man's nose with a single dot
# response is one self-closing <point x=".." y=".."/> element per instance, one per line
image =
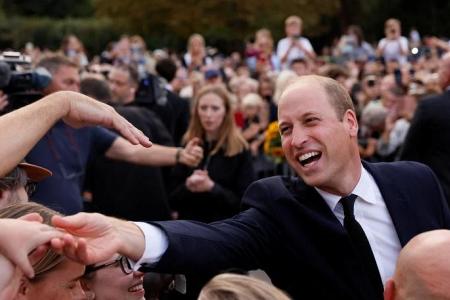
<point x="299" y="137"/>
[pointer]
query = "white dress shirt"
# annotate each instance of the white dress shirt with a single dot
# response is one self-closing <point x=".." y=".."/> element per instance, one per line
<point x="372" y="214"/>
<point x="370" y="211"/>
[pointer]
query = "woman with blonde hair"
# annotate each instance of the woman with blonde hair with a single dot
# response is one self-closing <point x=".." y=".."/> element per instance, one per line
<point x="240" y="287"/>
<point x="213" y="191"/>
<point x="56" y="277"/>
<point x="195" y="57"/>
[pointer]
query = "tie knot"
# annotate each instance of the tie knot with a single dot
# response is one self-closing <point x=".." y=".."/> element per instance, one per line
<point x="348" y="203"/>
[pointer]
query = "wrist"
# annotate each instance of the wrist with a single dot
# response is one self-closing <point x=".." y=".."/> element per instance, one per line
<point x="56" y="105"/>
<point x="178" y="155"/>
<point x="132" y="240"/>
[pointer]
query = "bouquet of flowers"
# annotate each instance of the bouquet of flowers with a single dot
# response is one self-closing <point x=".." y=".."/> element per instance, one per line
<point x="272" y="143"/>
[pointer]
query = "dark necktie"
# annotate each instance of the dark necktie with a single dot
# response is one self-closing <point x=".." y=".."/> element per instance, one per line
<point x="361" y="245"/>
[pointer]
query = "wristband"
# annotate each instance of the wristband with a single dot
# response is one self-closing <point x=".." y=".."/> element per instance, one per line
<point x="177" y="155"/>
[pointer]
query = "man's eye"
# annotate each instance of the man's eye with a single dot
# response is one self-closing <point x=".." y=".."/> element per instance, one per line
<point x="310" y="120"/>
<point x="284" y="130"/>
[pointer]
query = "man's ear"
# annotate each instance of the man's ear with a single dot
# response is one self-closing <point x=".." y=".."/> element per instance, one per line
<point x="351" y="122"/>
<point x="389" y="290"/>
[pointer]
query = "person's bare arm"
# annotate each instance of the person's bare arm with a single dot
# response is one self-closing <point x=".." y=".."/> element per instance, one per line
<point x="21" y="129"/>
<point x="157" y="155"/>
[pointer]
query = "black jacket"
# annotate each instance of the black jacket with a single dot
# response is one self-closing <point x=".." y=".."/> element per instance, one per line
<point x="126" y="190"/>
<point x="428" y="139"/>
<point x="231" y="176"/>
<point x="288" y="230"/>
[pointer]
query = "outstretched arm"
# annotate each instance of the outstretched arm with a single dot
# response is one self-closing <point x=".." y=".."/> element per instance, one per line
<point x="96" y="237"/>
<point x="157" y="155"/>
<point x="21" y="129"/>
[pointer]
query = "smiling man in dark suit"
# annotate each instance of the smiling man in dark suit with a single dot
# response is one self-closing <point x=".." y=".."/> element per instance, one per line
<point x="335" y="233"/>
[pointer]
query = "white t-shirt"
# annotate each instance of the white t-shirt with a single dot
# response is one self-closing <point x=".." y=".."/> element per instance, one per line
<point x="392" y="49"/>
<point x="283" y="46"/>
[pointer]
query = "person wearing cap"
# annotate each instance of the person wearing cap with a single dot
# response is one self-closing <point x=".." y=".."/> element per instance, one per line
<point x="20" y="183"/>
<point x="212" y="76"/>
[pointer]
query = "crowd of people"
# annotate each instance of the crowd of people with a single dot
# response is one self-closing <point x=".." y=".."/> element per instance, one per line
<point x="358" y="133"/>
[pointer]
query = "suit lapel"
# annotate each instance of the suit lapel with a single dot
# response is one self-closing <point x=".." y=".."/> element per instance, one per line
<point x="309" y="197"/>
<point x="399" y="208"/>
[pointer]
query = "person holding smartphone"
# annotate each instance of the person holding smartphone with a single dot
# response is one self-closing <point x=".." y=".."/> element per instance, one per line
<point x="394" y="46"/>
<point x="294" y="45"/>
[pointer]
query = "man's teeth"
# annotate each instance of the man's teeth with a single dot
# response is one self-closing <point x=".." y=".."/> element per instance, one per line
<point x="136" y="288"/>
<point x="305" y="156"/>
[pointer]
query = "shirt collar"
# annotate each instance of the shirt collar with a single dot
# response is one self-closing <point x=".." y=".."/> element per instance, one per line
<point x="364" y="189"/>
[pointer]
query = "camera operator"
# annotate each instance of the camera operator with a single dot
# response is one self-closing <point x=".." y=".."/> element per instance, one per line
<point x="66" y="151"/>
<point x="394" y="47"/>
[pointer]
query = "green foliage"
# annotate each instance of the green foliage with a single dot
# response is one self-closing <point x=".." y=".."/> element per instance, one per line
<point x="168" y="22"/>
<point x="49" y="8"/>
<point x="224" y="23"/>
<point x="48" y="33"/>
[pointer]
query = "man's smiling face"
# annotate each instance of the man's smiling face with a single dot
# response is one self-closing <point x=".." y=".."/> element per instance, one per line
<point x="318" y="144"/>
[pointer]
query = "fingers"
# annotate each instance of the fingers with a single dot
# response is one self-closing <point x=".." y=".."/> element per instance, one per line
<point x="192" y="143"/>
<point x="131" y="133"/>
<point x="65" y="245"/>
<point x="192" y="154"/>
<point x="24" y="264"/>
<point x="33" y="217"/>
<point x="70" y="222"/>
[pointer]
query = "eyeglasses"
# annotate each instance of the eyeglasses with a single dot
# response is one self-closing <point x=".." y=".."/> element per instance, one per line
<point x="125" y="266"/>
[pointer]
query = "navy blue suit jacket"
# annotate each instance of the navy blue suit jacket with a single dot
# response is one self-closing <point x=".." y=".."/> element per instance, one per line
<point x="288" y="230"/>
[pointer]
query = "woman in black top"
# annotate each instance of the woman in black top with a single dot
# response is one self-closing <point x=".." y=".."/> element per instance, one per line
<point x="213" y="191"/>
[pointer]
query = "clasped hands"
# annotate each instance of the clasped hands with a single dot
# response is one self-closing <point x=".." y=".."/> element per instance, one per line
<point x="199" y="182"/>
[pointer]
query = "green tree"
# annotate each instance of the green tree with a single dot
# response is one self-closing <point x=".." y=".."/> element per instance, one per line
<point x="48" y="8"/>
<point x="220" y="21"/>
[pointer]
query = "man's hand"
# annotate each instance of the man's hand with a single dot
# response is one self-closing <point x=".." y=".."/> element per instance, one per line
<point x="95" y="237"/>
<point x="192" y="154"/>
<point x="18" y="238"/>
<point x="83" y="110"/>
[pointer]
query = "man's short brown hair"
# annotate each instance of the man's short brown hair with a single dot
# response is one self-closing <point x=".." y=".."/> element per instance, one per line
<point x="53" y="62"/>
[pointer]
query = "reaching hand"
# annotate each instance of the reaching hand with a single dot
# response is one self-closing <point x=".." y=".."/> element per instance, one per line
<point x="95" y="237"/>
<point x="84" y="110"/>
<point x="192" y="154"/>
<point x="18" y="238"/>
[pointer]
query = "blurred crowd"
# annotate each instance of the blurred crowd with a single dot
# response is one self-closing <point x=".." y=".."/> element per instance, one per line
<point x="212" y="119"/>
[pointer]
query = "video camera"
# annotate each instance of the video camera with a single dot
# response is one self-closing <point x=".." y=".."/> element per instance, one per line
<point x="19" y="81"/>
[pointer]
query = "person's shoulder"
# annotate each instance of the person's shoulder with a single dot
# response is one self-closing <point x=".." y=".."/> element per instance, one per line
<point x="404" y="39"/>
<point x="398" y="169"/>
<point x="277" y="184"/>
<point x="265" y="193"/>
<point x="304" y="39"/>
<point x="283" y="41"/>
<point x="435" y="99"/>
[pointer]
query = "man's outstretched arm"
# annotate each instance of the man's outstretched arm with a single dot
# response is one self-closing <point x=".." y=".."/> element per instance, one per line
<point x="21" y="129"/>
